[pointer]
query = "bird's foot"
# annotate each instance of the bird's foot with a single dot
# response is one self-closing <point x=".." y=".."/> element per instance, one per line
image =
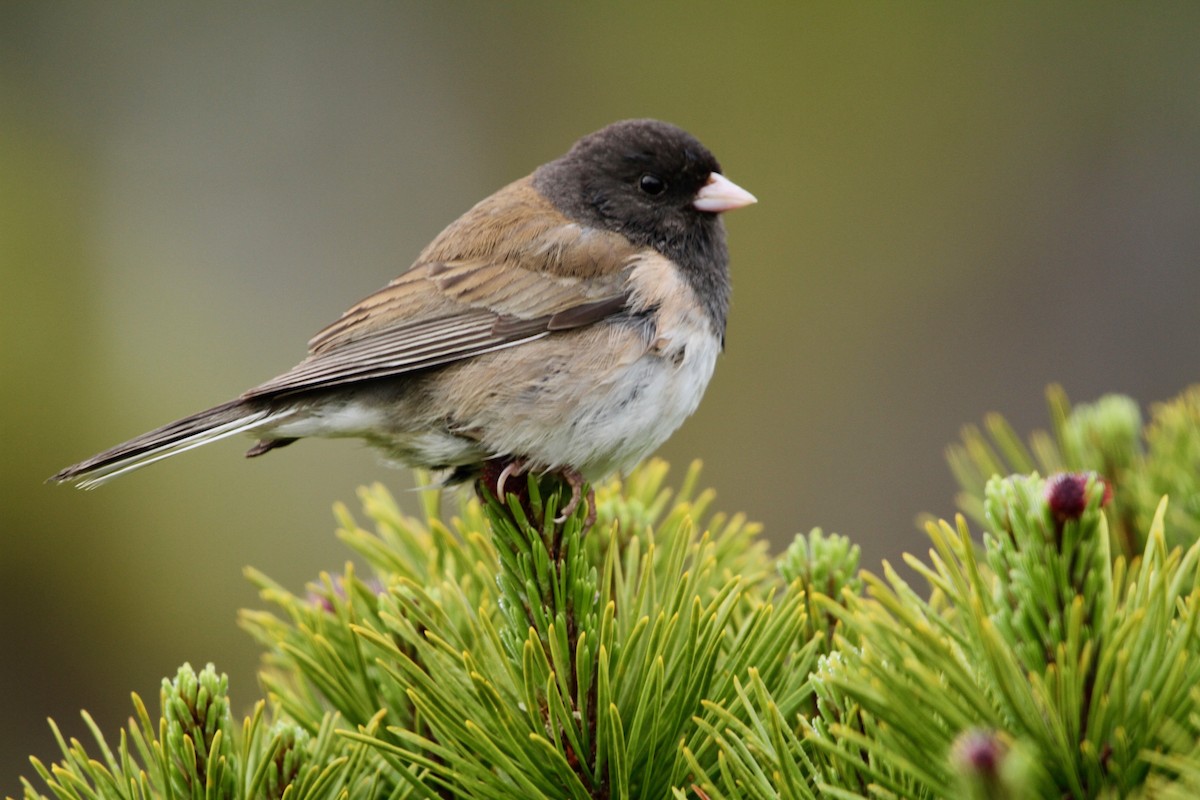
<point x="514" y="468"/>
<point x="494" y="479"/>
<point x="497" y="472"/>
<point x="574" y="479"/>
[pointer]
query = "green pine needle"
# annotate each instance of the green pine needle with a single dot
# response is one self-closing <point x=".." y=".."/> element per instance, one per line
<point x="494" y="653"/>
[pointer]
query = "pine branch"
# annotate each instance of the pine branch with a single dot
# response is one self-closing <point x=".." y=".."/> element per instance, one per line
<point x="497" y="653"/>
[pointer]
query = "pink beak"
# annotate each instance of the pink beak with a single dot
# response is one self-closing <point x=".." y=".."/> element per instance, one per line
<point x="721" y="194"/>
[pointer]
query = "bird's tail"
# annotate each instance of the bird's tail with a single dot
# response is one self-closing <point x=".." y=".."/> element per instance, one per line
<point x="219" y="422"/>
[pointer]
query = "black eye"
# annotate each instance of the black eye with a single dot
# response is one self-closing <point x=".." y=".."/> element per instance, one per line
<point x="651" y="184"/>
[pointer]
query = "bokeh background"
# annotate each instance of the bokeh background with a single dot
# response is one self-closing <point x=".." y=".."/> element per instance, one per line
<point x="959" y="203"/>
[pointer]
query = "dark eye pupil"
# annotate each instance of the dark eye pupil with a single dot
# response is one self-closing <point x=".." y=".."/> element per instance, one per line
<point x="652" y="184"/>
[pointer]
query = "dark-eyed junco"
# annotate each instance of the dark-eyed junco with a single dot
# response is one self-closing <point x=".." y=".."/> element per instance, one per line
<point x="570" y="322"/>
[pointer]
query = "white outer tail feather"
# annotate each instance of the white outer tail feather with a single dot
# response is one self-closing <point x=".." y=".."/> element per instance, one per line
<point x="245" y="424"/>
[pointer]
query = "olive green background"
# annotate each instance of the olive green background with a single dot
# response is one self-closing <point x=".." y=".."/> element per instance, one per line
<point x="959" y="203"/>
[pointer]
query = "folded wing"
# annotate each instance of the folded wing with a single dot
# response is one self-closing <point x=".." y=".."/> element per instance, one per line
<point x="510" y="270"/>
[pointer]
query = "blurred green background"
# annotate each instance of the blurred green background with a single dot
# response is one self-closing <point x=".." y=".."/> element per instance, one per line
<point x="959" y="203"/>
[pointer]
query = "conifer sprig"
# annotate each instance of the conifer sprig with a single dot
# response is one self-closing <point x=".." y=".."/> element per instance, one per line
<point x="496" y="653"/>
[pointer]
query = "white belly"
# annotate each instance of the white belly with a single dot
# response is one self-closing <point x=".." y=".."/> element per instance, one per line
<point x="614" y="429"/>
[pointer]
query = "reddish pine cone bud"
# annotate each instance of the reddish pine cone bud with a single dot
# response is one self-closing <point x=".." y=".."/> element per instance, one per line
<point x="1066" y="494"/>
<point x="978" y="754"/>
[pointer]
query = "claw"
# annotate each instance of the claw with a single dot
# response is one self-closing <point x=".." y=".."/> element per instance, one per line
<point x="575" y="480"/>
<point x="511" y="469"/>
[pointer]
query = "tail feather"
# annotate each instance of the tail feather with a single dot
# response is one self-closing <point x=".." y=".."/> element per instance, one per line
<point x="219" y="422"/>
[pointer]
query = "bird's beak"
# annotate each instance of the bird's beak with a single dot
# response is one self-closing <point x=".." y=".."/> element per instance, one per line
<point x="721" y="194"/>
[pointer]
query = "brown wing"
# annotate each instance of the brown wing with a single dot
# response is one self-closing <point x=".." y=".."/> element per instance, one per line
<point x="510" y="270"/>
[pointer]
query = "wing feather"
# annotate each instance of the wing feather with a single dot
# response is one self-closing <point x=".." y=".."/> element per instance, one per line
<point x="510" y="270"/>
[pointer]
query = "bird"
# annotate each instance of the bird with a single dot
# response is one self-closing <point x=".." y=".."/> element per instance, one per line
<point x="568" y="323"/>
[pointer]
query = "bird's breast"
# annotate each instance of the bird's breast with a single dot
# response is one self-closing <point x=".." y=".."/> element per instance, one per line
<point x="604" y="397"/>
